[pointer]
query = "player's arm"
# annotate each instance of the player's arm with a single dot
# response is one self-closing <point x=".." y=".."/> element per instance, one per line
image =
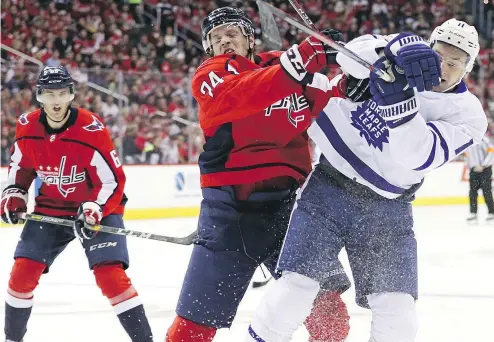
<point x="414" y="143"/>
<point x="227" y="92"/>
<point x="107" y="174"/>
<point x="425" y="146"/>
<point x="320" y="90"/>
<point x="108" y="181"/>
<point x="20" y="176"/>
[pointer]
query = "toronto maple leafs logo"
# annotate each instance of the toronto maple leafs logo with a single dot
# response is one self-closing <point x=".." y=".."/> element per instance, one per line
<point x="94" y="126"/>
<point x="372" y="127"/>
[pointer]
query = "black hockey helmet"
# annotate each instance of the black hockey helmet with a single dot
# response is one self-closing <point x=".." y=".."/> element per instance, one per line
<point x="223" y="16"/>
<point x="54" y="78"/>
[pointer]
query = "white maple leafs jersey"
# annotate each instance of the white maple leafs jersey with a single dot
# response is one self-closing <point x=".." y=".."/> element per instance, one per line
<point x="356" y="141"/>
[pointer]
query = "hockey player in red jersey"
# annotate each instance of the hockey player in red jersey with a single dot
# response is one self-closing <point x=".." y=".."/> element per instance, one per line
<point x="70" y="150"/>
<point x="254" y="111"/>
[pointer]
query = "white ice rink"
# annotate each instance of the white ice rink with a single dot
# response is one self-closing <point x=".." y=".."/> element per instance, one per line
<point x="456" y="276"/>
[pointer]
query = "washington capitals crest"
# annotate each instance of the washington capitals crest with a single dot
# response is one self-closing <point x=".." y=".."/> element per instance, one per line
<point x="372" y="127"/>
<point x="94" y="126"/>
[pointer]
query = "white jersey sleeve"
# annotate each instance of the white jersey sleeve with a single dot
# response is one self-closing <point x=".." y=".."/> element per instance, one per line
<point x="446" y="126"/>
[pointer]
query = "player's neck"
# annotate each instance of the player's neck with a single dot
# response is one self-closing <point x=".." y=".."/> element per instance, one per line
<point x="57" y="124"/>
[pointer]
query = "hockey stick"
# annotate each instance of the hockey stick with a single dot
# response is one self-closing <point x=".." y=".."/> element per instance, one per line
<point x="256" y="284"/>
<point x="302" y="14"/>
<point x="186" y="240"/>
<point x="263" y="6"/>
<point x="267" y="277"/>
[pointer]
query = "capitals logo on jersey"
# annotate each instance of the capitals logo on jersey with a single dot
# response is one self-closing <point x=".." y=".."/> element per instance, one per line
<point x="55" y="176"/>
<point x="368" y="121"/>
<point x="23" y="119"/>
<point x="94" y="126"/>
<point x="294" y="104"/>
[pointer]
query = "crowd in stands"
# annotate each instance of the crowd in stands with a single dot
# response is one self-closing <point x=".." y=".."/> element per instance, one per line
<point x="147" y="52"/>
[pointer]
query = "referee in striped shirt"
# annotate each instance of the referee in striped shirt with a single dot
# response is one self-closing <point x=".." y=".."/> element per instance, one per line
<point x="480" y="158"/>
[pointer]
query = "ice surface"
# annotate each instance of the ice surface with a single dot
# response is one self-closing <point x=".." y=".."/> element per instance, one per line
<point x="456" y="275"/>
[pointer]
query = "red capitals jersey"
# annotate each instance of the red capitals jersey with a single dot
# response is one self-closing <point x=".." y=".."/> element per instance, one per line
<point x="75" y="163"/>
<point x="254" y="117"/>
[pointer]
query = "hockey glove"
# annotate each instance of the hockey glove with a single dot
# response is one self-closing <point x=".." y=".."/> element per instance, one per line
<point x="337" y="36"/>
<point x="89" y="213"/>
<point x="396" y="100"/>
<point x="413" y="54"/>
<point x="14" y="202"/>
<point x="354" y="89"/>
<point x="302" y="61"/>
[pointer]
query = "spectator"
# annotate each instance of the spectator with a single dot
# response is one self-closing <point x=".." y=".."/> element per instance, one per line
<point x="97" y="40"/>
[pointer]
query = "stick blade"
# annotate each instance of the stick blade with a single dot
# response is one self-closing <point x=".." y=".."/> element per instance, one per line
<point x="270" y="32"/>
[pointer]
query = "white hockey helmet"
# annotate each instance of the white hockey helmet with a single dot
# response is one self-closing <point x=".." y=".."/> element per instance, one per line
<point x="461" y="35"/>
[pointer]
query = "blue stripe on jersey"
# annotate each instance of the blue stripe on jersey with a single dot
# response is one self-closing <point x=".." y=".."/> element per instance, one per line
<point x="358" y="165"/>
<point x="463" y="147"/>
<point x="444" y="145"/>
<point x="432" y="155"/>
<point x="253" y="334"/>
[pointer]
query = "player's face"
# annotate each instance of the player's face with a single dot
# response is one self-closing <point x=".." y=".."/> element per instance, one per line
<point x="230" y="39"/>
<point x="453" y="64"/>
<point x="56" y="102"/>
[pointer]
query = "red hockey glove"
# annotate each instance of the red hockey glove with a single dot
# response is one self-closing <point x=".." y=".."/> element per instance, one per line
<point x="90" y="213"/>
<point x="14" y="201"/>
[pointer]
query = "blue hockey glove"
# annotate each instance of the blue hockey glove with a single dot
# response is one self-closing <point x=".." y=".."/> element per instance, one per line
<point x="90" y="213"/>
<point x="396" y="100"/>
<point x="413" y="54"/>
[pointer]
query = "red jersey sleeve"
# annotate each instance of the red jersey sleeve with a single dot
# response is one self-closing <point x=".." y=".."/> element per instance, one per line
<point x="21" y="168"/>
<point x="320" y="91"/>
<point x="106" y="174"/>
<point x="230" y="88"/>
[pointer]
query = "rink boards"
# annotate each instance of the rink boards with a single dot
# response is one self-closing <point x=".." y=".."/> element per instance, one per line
<point x="168" y="191"/>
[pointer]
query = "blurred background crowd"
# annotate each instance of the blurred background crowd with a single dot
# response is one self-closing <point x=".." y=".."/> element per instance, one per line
<point x="133" y="59"/>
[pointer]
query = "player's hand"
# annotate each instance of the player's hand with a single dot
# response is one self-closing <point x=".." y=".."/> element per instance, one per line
<point x="89" y="213"/>
<point x="355" y="89"/>
<point x="13" y="203"/>
<point x="302" y="61"/>
<point x="396" y="100"/>
<point x="420" y="62"/>
<point x="331" y="53"/>
<point x="478" y="168"/>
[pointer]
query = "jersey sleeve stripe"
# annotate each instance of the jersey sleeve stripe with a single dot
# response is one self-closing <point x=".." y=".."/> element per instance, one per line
<point x="14" y="165"/>
<point x="106" y="176"/>
<point x="432" y="155"/>
<point x="463" y="147"/>
<point x="444" y="145"/>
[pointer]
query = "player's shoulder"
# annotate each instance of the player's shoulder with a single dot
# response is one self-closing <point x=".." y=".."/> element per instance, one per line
<point x="264" y="59"/>
<point x="224" y="64"/>
<point x="464" y="99"/>
<point x="89" y="124"/>
<point x="28" y="124"/>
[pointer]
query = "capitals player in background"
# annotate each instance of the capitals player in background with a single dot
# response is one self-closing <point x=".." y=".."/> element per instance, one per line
<point x="72" y="152"/>
<point x="254" y="111"/>
<point x="375" y="155"/>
